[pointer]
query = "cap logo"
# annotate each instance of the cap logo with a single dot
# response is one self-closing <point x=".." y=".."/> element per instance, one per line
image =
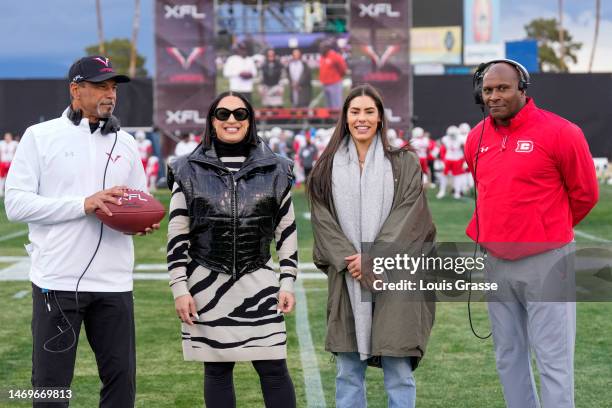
<point x="104" y="61"/>
<point x="77" y="78"/>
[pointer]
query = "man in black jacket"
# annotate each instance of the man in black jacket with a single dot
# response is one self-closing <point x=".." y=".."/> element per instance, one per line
<point x="271" y="88"/>
<point x="299" y="76"/>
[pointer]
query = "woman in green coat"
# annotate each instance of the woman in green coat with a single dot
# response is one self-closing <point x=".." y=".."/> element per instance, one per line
<point x="363" y="191"/>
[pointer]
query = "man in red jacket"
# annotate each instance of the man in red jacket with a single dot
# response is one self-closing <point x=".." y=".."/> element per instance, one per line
<point x="332" y="68"/>
<point x="535" y="180"/>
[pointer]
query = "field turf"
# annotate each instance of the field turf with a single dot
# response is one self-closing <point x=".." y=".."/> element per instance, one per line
<point x="458" y="370"/>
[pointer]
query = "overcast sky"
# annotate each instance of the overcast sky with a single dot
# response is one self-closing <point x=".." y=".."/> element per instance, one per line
<point x="41" y="38"/>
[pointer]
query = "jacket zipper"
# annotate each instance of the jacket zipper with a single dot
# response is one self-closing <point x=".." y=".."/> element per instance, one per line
<point x="234" y="222"/>
<point x="504" y="140"/>
<point x="234" y="207"/>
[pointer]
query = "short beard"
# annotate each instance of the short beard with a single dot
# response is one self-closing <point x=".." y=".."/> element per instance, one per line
<point x="104" y="115"/>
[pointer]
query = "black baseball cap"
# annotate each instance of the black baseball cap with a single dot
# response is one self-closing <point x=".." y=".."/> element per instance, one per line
<point x="94" y="68"/>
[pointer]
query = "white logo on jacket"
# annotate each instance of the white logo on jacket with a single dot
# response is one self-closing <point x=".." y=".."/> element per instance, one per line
<point x="524" y="146"/>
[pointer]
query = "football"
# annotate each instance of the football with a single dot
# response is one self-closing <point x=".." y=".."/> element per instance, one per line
<point x="138" y="211"/>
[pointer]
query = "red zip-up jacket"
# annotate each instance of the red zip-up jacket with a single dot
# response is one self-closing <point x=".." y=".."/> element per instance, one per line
<point x="332" y="68"/>
<point x="535" y="180"/>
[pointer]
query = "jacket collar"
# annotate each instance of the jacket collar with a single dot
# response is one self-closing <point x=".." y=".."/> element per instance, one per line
<point x="520" y="118"/>
<point x="260" y="155"/>
<point x="83" y="124"/>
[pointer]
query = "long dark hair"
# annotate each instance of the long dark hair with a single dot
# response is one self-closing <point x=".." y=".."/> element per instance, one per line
<point x="209" y="131"/>
<point x="319" y="183"/>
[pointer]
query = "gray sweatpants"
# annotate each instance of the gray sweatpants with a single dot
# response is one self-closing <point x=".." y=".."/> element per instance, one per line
<point x="527" y="314"/>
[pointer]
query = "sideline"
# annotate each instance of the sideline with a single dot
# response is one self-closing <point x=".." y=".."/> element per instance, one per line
<point x="308" y="356"/>
<point x="12" y="235"/>
<point x="591" y="237"/>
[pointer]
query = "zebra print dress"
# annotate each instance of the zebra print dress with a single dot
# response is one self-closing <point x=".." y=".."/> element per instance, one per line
<point x="238" y="320"/>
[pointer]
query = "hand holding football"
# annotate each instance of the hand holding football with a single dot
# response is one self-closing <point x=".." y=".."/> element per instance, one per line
<point x="137" y="212"/>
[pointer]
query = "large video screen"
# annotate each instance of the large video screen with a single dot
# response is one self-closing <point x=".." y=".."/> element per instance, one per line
<point x="284" y="70"/>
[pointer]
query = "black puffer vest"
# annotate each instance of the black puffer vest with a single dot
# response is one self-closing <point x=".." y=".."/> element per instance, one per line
<point x="232" y="217"/>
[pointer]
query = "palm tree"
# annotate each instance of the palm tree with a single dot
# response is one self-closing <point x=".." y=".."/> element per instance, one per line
<point x="135" y="28"/>
<point x="597" y="18"/>
<point x="100" y="28"/>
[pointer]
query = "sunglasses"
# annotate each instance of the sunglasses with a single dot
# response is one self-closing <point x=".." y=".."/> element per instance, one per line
<point x="224" y="114"/>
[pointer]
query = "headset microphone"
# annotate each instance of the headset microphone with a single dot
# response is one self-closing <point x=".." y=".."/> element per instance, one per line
<point x="111" y="125"/>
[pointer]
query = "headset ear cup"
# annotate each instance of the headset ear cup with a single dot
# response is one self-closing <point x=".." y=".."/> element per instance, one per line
<point x="75" y="116"/>
<point x="478" y="94"/>
<point x="477" y="83"/>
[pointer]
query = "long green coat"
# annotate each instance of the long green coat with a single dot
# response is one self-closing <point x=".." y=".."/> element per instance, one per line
<point x="400" y="326"/>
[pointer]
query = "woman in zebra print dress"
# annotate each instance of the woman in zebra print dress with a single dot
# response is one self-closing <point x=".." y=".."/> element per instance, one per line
<point x="230" y="198"/>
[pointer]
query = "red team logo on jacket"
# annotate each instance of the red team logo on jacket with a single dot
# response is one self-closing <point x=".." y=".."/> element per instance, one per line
<point x="524" y="146"/>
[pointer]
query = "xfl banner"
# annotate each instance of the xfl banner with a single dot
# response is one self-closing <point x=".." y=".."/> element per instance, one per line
<point x="380" y="48"/>
<point x="185" y="64"/>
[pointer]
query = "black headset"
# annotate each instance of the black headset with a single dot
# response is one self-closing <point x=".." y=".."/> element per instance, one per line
<point x="110" y="125"/>
<point x="482" y="69"/>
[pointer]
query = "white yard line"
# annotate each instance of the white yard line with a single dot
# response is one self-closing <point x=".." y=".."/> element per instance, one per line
<point x="151" y="276"/>
<point x="12" y="235"/>
<point x="20" y="269"/>
<point x="151" y="267"/>
<point x="591" y="237"/>
<point x="306" y="267"/>
<point x="164" y="276"/>
<point x="11" y="259"/>
<point x="308" y="356"/>
<point x="21" y="294"/>
<point x="312" y="276"/>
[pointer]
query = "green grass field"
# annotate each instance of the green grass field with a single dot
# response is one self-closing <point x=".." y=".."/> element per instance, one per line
<point x="458" y="370"/>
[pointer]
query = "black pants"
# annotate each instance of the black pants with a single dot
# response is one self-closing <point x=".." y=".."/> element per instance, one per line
<point x="307" y="171"/>
<point x="274" y="378"/>
<point x="432" y="172"/>
<point x="109" y="323"/>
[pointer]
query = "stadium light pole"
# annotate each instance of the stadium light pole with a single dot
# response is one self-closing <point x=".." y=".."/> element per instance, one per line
<point x="100" y="28"/>
<point x="561" y="37"/>
<point x="135" y="29"/>
<point x="596" y="34"/>
<point x="262" y="17"/>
